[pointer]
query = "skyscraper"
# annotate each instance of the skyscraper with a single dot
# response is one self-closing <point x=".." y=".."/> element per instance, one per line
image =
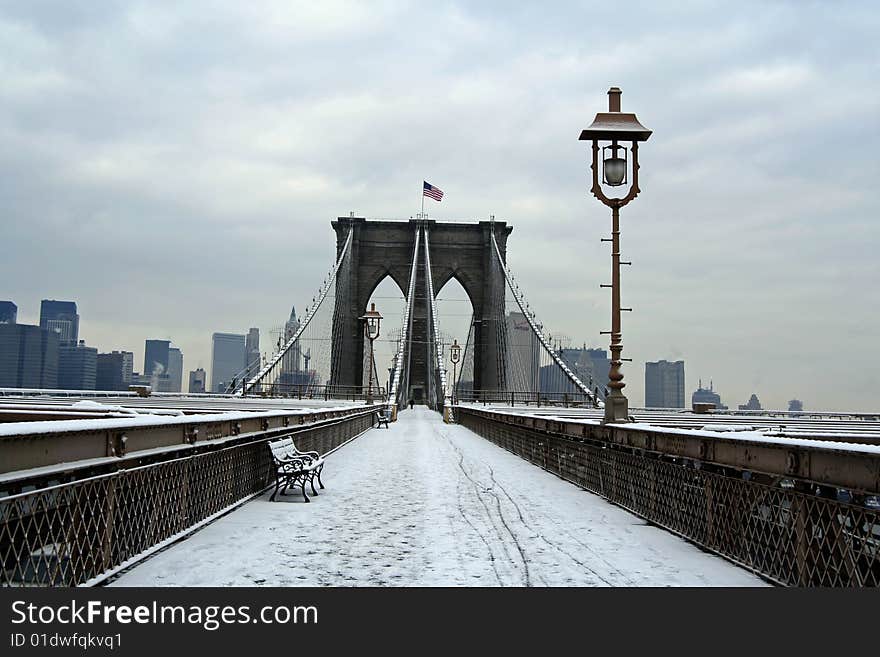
<point x="664" y="384"/>
<point x="127" y="366"/>
<point x="8" y="312"/>
<point x="295" y="364"/>
<point x="61" y="317"/>
<point x="227" y="359"/>
<point x="77" y="366"/>
<point x="252" y="346"/>
<point x="707" y="396"/>
<point x="754" y="404"/>
<point x="28" y="357"/>
<point x="591" y="366"/>
<point x="291" y="364"/>
<point x="156" y="357"/>
<point x="197" y="380"/>
<point x="175" y="369"/>
<point x="524" y="352"/>
<point x="113" y="371"/>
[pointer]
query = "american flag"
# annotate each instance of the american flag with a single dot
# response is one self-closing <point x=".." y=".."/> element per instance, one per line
<point x="434" y="192"/>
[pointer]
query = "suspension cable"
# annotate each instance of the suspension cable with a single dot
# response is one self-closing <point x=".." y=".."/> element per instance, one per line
<point x="322" y="293"/>
<point x="539" y="333"/>
<point x="406" y="329"/>
<point x="438" y="351"/>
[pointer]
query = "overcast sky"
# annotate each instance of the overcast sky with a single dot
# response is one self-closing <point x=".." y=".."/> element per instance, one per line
<point x="174" y="168"/>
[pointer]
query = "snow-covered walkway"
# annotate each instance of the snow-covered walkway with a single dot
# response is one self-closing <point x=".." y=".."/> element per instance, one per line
<point x="425" y="503"/>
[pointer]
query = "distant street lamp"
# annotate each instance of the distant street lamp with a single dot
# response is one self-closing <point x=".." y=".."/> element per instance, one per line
<point x="371" y="332"/>
<point x="610" y="128"/>
<point x="454" y="356"/>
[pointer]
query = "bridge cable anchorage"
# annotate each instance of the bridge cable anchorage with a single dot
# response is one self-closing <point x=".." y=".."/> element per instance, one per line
<point x="399" y="391"/>
<point x="439" y="393"/>
<point x="520" y="360"/>
<point x="285" y="363"/>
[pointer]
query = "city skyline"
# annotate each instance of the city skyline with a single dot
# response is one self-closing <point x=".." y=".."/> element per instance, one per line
<point x="252" y="337"/>
<point x="752" y="244"/>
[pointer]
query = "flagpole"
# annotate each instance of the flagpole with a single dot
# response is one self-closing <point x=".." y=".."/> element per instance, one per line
<point x="423" y="200"/>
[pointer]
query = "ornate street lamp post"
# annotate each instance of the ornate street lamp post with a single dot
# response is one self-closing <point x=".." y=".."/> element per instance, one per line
<point x="371" y="332"/>
<point x="610" y="128"/>
<point x="454" y="356"/>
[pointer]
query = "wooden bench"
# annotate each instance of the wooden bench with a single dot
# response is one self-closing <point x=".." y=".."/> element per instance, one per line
<point x="383" y="417"/>
<point x="293" y="467"/>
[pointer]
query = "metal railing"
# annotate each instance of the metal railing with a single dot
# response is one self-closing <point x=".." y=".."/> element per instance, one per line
<point x="78" y="532"/>
<point x="786" y="535"/>
<point x="325" y="392"/>
<point x="524" y="397"/>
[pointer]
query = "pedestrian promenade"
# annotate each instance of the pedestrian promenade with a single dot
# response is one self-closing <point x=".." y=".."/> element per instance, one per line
<point x="429" y="504"/>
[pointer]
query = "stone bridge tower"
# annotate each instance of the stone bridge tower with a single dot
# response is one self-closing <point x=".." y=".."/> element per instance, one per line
<point x="458" y="250"/>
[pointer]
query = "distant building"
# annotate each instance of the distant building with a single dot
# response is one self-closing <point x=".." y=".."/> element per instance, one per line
<point x="664" y="384"/>
<point x="796" y="406"/>
<point x="28" y="357"/>
<point x="175" y="369"/>
<point x="141" y="380"/>
<point x="61" y="317"/>
<point x="523" y="353"/>
<point x="752" y="405"/>
<point x="252" y="351"/>
<point x="197" y="380"/>
<point x="161" y="383"/>
<point x="227" y="359"/>
<point x="292" y="372"/>
<point x="127" y="366"/>
<point x="591" y="366"/>
<point x="156" y="357"/>
<point x="114" y="370"/>
<point x="8" y="312"/>
<point x="707" y="396"/>
<point x="77" y="366"/>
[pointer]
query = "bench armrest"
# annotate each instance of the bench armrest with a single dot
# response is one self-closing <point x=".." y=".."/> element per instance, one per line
<point x="308" y="459"/>
<point x="294" y="463"/>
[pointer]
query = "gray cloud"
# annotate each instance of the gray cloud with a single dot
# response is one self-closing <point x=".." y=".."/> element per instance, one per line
<point x="174" y="169"/>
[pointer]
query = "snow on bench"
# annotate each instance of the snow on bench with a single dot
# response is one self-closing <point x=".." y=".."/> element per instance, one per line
<point x="293" y="467"/>
<point x="383" y="417"/>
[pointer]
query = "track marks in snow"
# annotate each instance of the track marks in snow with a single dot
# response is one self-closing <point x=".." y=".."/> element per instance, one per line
<point x="502" y="535"/>
<point x="519" y="526"/>
<point x="428" y="504"/>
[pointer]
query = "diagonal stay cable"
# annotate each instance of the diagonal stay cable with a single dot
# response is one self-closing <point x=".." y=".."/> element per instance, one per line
<point x="279" y="355"/>
<point x="540" y="334"/>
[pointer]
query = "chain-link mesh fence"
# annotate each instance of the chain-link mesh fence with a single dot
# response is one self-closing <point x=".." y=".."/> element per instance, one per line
<point x="787" y="536"/>
<point x="68" y="534"/>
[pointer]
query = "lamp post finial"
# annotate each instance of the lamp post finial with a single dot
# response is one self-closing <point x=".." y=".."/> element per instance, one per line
<point x="614" y="99"/>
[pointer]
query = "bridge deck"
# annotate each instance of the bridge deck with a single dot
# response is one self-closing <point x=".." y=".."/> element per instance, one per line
<point x="426" y="503"/>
